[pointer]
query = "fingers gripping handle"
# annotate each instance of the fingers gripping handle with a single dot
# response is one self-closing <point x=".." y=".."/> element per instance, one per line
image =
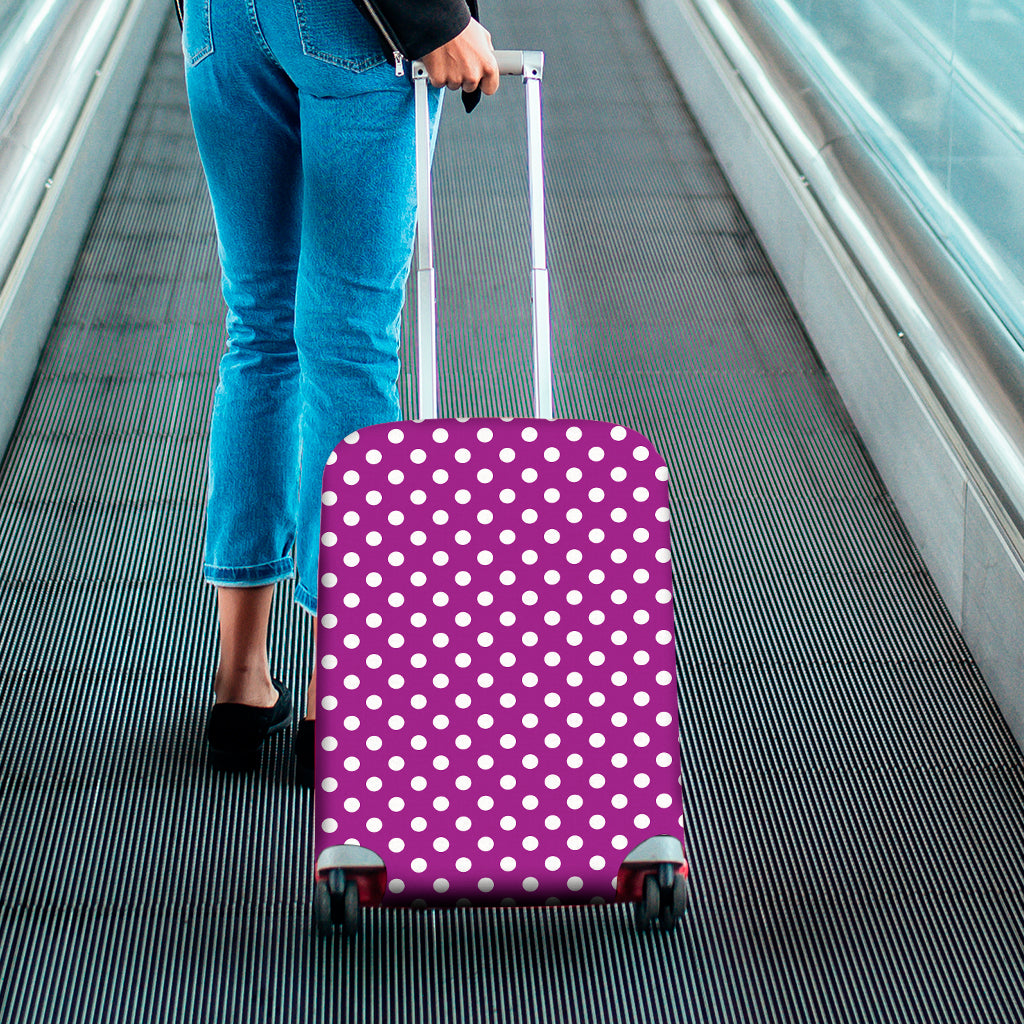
<point x="529" y="64"/>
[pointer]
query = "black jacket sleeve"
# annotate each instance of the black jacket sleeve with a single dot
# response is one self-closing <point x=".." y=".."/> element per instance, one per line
<point x="424" y="25"/>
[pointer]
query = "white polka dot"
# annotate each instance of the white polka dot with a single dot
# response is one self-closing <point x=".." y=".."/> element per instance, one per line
<point x="574" y="433"/>
<point x="596" y="658"/>
<point x="441" y="762"/>
<point x="329" y="580"/>
<point x="552" y="740"/>
<point x="641" y="658"/>
<point x="374" y="497"/>
<point x="574" y="842"/>
<point x="329" y="540"/>
<point x="619" y="597"/>
<point x="552" y="496"/>
<point x="641" y="739"/>
<point x="418" y="497"/>
<point x="419" y="865"/>
<point x="552" y="454"/>
<point x="574" y="515"/>
<point x="597" y="863"/>
<point x="597" y="781"/>
<point x="485" y="885"/>
<point x="619" y="515"/>
<point x="508" y="864"/>
<point x="575" y="884"/>
<point x="507" y="455"/>
<point x="595" y="494"/>
<point x="485" y="843"/>
<point x="620" y="842"/>
<point x="485" y="476"/>
<point x="329" y="703"/>
<point x="351" y="805"/>
<point x="419" y="824"/>
<point x="641" y="781"/>
<point x="664" y="759"/>
<point x="665" y="801"/>
<point x="596" y="740"/>
<point x="329" y="825"/>
<point x="642" y="821"/>
<point x="507" y="496"/>
<point x="619" y="760"/>
<point x="552" y="576"/>
<point x="619" y="433"/>
<point x="640" y="453"/>
<point x="485" y="434"/>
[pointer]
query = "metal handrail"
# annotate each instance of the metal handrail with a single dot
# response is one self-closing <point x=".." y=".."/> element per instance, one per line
<point x="45" y="88"/>
<point x="971" y="359"/>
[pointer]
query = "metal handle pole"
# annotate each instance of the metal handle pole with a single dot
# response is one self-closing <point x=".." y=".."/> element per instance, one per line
<point x="529" y="64"/>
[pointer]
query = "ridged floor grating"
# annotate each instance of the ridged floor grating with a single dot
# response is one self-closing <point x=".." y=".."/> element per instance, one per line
<point x="856" y="804"/>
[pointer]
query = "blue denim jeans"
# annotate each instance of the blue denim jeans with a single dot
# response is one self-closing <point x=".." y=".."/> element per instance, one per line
<point x="306" y="137"/>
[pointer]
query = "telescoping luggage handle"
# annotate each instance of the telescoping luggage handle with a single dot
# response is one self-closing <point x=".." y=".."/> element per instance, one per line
<point x="529" y="64"/>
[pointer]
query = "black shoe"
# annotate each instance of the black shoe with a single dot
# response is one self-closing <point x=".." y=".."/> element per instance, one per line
<point x="236" y="731"/>
<point x="304" y="746"/>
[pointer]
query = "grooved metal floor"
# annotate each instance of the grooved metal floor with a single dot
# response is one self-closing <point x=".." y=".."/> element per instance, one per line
<point x="856" y="804"/>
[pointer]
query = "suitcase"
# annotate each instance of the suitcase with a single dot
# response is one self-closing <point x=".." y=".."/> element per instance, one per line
<point x="497" y="719"/>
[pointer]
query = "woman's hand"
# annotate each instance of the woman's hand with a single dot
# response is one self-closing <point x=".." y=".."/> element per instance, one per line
<point x="467" y="61"/>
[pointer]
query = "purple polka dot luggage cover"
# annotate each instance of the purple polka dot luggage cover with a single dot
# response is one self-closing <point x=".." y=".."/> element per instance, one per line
<point x="497" y="716"/>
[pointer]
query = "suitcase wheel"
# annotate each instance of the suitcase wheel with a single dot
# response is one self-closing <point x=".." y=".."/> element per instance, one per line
<point x="665" y="897"/>
<point x="336" y="901"/>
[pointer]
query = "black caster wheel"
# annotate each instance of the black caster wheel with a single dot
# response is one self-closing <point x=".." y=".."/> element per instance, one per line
<point x="675" y="899"/>
<point x="649" y="905"/>
<point x="322" y="912"/>
<point x="350" y="911"/>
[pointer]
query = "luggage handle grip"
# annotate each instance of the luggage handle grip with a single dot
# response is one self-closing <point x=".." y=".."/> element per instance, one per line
<point x="524" y="63"/>
<point x="529" y="64"/>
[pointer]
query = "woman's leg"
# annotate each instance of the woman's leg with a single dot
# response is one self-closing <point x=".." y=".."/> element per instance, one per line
<point x="243" y="675"/>
<point x="245" y="115"/>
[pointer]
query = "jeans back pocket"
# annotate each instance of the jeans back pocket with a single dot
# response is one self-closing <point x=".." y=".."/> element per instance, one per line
<point x="336" y="33"/>
<point x="196" y="34"/>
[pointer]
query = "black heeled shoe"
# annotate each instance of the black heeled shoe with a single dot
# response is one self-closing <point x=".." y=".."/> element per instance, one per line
<point x="236" y="732"/>
<point x="305" y="742"/>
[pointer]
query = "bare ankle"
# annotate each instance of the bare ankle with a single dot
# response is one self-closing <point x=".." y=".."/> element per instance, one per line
<point x="245" y="686"/>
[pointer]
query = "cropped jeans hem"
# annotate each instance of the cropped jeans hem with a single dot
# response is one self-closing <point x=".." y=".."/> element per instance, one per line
<point x="249" y="575"/>
<point x="305" y="599"/>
